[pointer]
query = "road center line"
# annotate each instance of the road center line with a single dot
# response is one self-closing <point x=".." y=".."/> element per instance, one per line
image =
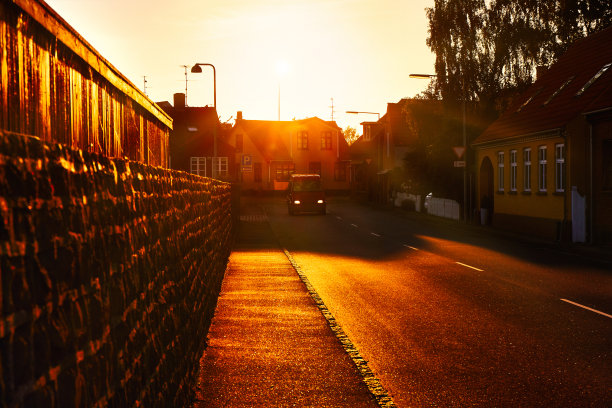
<point x="354" y="225"/>
<point x="340" y="218"/>
<point x="587" y="308"/>
<point x="375" y="234"/>
<point x="469" y="266"/>
<point x="411" y="247"/>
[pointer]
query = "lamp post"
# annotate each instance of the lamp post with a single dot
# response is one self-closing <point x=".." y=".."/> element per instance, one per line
<point x="197" y="69"/>
<point x="358" y="112"/>
<point x="465" y="207"/>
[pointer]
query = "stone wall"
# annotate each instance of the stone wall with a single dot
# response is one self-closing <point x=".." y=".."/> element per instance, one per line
<point x="110" y="270"/>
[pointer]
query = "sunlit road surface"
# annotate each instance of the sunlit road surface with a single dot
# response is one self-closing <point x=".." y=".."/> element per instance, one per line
<point x="452" y="316"/>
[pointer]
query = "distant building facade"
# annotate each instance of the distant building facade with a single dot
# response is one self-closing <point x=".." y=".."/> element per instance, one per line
<point x="197" y="142"/>
<point x="267" y="152"/>
<point x="383" y="147"/>
<point x="545" y="166"/>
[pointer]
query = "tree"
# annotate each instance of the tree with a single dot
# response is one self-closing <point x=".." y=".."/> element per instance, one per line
<point x="350" y="135"/>
<point x="489" y="51"/>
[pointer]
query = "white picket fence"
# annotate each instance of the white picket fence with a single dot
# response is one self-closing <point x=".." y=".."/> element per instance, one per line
<point x="440" y="207"/>
<point x="443" y="207"/>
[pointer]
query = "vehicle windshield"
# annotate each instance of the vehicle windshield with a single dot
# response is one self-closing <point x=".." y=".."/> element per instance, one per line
<point x="307" y="184"/>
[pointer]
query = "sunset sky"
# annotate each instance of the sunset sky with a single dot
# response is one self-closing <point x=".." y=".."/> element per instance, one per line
<point x="358" y="52"/>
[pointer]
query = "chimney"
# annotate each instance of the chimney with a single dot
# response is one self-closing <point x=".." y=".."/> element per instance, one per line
<point x="179" y="101"/>
<point x="239" y="115"/>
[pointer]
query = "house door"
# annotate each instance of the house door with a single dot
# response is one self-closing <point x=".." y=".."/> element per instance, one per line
<point x="602" y="183"/>
<point x="257" y="173"/>
<point x="486" y="196"/>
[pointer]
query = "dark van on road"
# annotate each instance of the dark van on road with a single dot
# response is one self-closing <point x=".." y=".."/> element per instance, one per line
<point x="305" y="194"/>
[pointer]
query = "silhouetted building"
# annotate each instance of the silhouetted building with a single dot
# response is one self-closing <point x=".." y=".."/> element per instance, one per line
<point x="383" y="147"/>
<point x="197" y="141"/>
<point x="545" y="166"/>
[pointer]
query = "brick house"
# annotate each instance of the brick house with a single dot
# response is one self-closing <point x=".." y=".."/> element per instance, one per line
<point x="197" y="141"/>
<point x="267" y="152"/>
<point x="545" y="165"/>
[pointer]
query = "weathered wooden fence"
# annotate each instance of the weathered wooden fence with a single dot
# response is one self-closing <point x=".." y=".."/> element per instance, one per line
<point x="54" y="85"/>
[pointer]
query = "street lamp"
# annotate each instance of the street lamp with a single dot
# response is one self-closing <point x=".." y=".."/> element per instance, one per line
<point x="465" y="209"/>
<point x="196" y="69"/>
<point x="422" y="76"/>
<point x="371" y="113"/>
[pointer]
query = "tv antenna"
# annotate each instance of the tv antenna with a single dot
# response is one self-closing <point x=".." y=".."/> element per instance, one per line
<point x="186" y="81"/>
<point x="332" y="109"/>
<point x="145" y="85"/>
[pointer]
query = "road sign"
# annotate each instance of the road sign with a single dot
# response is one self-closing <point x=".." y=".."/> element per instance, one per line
<point x="459" y="163"/>
<point x="247" y="163"/>
<point x="459" y="150"/>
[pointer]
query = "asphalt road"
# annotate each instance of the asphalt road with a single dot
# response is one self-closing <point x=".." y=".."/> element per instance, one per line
<point x="454" y="316"/>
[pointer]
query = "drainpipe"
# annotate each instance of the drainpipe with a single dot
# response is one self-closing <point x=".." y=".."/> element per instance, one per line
<point x="590" y="183"/>
<point x="566" y="191"/>
<point x="337" y="145"/>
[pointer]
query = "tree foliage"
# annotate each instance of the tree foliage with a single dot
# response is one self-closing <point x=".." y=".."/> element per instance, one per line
<point x="350" y="135"/>
<point x="488" y="50"/>
<point x="428" y="166"/>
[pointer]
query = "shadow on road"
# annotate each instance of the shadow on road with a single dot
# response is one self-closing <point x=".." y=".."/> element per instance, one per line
<point x="387" y="233"/>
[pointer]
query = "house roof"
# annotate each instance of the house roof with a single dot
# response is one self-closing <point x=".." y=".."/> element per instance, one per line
<point x="579" y="82"/>
<point x="267" y="135"/>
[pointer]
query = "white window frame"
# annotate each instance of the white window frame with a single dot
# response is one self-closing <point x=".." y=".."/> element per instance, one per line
<point x="527" y="169"/>
<point x="560" y="167"/>
<point x="513" y="170"/>
<point x="500" y="171"/>
<point x="221" y="165"/>
<point x="542" y="168"/>
<point x="302" y="140"/>
<point x="326" y="140"/>
<point x="367" y="133"/>
<point x="197" y="165"/>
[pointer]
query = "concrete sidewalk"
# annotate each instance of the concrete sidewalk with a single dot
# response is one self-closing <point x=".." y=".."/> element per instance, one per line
<point x="269" y="344"/>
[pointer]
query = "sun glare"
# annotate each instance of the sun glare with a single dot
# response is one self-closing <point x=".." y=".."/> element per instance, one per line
<point x="282" y="68"/>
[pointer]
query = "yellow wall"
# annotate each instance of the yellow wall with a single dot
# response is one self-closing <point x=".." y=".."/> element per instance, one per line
<point x="549" y="204"/>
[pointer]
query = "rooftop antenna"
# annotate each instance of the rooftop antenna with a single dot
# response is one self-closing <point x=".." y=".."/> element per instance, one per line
<point x="332" y="109"/>
<point x="145" y="85"/>
<point x="185" y="66"/>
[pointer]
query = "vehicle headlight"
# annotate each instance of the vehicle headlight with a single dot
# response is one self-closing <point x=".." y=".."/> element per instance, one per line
<point x="296" y="202"/>
<point x="320" y="202"/>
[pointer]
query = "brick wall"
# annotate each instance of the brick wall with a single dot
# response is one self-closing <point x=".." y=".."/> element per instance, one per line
<point x="110" y="270"/>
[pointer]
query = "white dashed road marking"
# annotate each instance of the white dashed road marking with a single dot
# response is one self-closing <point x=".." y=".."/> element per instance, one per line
<point x="587" y="308"/>
<point x="469" y="266"/>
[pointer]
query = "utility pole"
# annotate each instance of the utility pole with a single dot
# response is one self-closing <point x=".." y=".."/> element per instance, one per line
<point x="332" y="109"/>
<point x="145" y="85"/>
